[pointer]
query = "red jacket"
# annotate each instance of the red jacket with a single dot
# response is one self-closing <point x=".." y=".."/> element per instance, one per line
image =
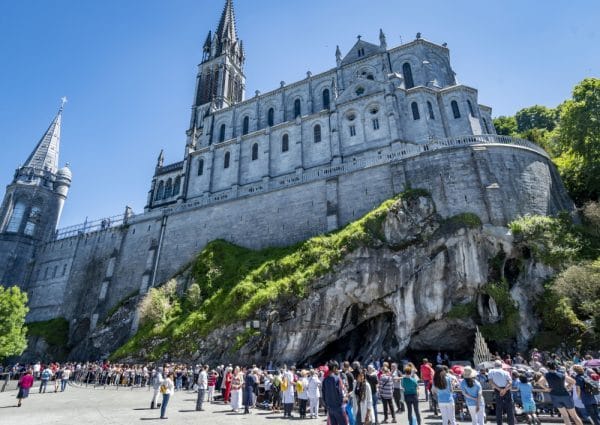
<point x="26" y="381"/>
<point x="426" y="372"/>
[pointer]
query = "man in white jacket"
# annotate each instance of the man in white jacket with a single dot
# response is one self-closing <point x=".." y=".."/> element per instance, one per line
<point x="202" y="387"/>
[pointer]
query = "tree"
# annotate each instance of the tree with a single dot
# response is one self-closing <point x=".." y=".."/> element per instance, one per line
<point x="536" y="117"/>
<point x="506" y="126"/>
<point x="13" y="333"/>
<point x="579" y="137"/>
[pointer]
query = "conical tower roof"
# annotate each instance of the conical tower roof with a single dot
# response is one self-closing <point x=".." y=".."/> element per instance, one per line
<point x="45" y="155"/>
<point x="226" y="28"/>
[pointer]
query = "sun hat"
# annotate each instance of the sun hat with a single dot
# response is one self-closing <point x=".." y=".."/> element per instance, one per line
<point x="468" y="372"/>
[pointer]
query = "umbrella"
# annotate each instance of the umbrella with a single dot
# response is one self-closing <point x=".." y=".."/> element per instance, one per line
<point x="458" y="369"/>
<point x="592" y="363"/>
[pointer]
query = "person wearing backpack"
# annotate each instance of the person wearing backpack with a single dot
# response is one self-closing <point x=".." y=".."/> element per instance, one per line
<point x="587" y="391"/>
<point x="45" y="377"/>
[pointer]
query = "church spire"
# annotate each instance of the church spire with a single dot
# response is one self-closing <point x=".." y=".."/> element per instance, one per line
<point x="226" y="30"/>
<point x="45" y="155"/>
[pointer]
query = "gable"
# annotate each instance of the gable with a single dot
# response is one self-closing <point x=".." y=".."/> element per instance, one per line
<point x="359" y="88"/>
<point x="359" y="51"/>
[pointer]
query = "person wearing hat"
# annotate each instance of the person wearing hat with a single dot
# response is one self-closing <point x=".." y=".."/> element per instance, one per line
<point x="471" y="389"/>
<point x="501" y="382"/>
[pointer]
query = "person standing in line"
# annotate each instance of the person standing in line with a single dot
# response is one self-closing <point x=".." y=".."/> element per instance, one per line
<point x="237" y="381"/>
<point x="64" y="378"/>
<point x="333" y="395"/>
<point x="301" y="390"/>
<point x="386" y="392"/>
<point x="398" y="390"/>
<point x="45" y="377"/>
<point x="212" y="382"/>
<point x="362" y="402"/>
<point x="314" y="393"/>
<point x="427" y="377"/>
<point x="501" y="382"/>
<point x="561" y="399"/>
<point x="157" y="379"/>
<point x="25" y="384"/>
<point x="287" y="388"/>
<point x="167" y="388"/>
<point x="442" y="386"/>
<point x="410" y="383"/>
<point x="373" y="381"/>
<point x="471" y="389"/>
<point x="587" y="398"/>
<point x="227" y="384"/>
<point x="249" y="384"/>
<point x="202" y="387"/>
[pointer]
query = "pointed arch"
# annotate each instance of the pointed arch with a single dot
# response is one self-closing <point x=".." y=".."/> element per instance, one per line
<point x="285" y="143"/>
<point x="201" y="166"/>
<point x="177" y="186"/>
<point x="415" y="111"/>
<point x="326" y="99"/>
<point x="317" y="133"/>
<point x="160" y="191"/>
<point x="408" y="76"/>
<point x="226" y="160"/>
<point x="14" y="224"/>
<point x="271" y="117"/>
<point x="297" y="108"/>
<point x="168" y="189"/>
<point x="455" y="110"/>
<point x="430" y="109"/>
<point x="246" y="125"/>
<point x="254" y="151"/>
<point x="222" y="133"/>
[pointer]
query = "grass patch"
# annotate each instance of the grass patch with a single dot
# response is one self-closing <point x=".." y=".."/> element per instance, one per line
<point x="235" y="283"/>
<point x="243" y="338"/>
<point x="55" y="331"/>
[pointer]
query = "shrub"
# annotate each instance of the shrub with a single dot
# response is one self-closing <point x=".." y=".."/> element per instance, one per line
<point x="55" y="331"/>
<point x="507" y="327"/>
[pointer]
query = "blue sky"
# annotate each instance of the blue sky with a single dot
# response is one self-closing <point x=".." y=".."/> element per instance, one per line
<point x="128" y="68"/>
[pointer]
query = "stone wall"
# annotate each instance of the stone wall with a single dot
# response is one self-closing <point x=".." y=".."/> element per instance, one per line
<point x="496" y="182"/>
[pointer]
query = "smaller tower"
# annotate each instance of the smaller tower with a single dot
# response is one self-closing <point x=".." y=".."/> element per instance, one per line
<point x="382" y="40"/>
<point x="32" y="205"/>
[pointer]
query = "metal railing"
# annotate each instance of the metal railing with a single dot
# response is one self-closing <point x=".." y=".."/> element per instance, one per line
<point x="90" y="227"/>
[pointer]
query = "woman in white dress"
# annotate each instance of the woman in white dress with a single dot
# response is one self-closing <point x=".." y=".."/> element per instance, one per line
<point x="362" y="401"/>
<point x="314" y="393"/>
<point x="237" y="382"/>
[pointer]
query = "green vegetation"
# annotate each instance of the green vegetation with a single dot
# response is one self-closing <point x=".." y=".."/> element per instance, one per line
<point x="506" y="328"/>
<point x="244" y="337"/>
<point x="13" y="309"/>
<point x="231" y="284"/>
<point x="459" y="221"/>
<point x="463" y="311"/>
<point x="55" y="332"/>
<point x="570" y="133"/>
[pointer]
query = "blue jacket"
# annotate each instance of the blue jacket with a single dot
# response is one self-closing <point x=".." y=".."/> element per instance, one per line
<point x="333" y="396"/>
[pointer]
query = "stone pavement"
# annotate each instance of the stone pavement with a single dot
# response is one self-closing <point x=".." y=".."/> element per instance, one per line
<point x="90" y="406"/>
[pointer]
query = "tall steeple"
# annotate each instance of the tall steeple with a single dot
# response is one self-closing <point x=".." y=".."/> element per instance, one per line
<point x="45" y="155"/>
<point x="226" y="31"/>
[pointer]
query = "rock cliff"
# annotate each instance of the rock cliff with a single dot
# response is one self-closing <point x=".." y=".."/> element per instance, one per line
<point x="422" y="284"/>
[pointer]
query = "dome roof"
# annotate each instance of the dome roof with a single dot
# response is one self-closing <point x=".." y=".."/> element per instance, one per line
<point x="65" y="173"/>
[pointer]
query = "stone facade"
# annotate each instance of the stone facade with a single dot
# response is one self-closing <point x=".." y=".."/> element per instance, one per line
<point x="283" y="166"/>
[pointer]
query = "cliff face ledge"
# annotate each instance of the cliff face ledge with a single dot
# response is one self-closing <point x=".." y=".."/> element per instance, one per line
<point x="422" y="288"/>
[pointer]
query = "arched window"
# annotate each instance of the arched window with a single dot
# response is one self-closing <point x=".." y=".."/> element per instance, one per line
<point x="226" y="160"/>
<point x="471" y="111"/>
<point x="32" y="220"/>
<point x="222" y="133"/>
<point x="430" y="109"/>
<point x="160" y="191"/>
<point x="177" y="186"/>
<point x="326" y="99"/>
<point x="15" y="219"/>
<point x="297" y="108"/>
<point x="246" y="125"/>
<point x="285" y="143"/>
<point x="415" y="111"/>
<point x="317" y="133"/>
<point x="370" y="77"/>
<point x="408" y="77"/>
<point x="255" y="152"/>
<point x="485" y="124"/>
<point x="455" y="110"/>
<point x="168" y="189"/>
<point x="200" y="166"/>
<point x="271" y="117"/>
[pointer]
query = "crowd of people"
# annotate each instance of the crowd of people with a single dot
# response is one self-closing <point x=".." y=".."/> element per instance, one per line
<point x="351" y="393"/>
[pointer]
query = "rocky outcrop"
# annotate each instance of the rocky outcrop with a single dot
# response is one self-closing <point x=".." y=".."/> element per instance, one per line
<point x="421" y="288"/>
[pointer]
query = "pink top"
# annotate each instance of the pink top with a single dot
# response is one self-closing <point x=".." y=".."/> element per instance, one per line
<point x="26" y="381"/>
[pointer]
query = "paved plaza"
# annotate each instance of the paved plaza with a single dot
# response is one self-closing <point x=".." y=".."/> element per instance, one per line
<point x="88" y="406"/>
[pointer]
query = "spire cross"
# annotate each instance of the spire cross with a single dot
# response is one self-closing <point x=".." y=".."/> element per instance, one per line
<point x="359" y="36"/>
<point x="63" y="100"/>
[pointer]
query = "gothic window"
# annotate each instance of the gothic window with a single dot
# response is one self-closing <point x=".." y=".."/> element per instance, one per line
<point x="361" y="52"/>
<point x="32" y="220"/>
<point x="408" y="77"/>
<point x="200" y="166"/>
<point x="285" y="143"/>
<point x="246" y="125"/>
<point x="297" y="108"/>
<point x="430" y="109"/>
<point x="352" y="130"/>
<point x="222" y="133"/>
<point x="255" y="152"/>
<point x="375" y="123"/>
<point x="177" y="186"/>
<point x="168" y="189"/>
<point x="317" y="133"/>
<point x="485" y="124"/>
<point x="455" y="110"/>
<point x="415" y="111"/>
<point x="271" y="117"/>
<point x="17" y="216"/>
<point x="471" y="111"/>
<point x="226" y="160"/>
<point x="160" y="192"/>
<point x="326" y="99"/>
